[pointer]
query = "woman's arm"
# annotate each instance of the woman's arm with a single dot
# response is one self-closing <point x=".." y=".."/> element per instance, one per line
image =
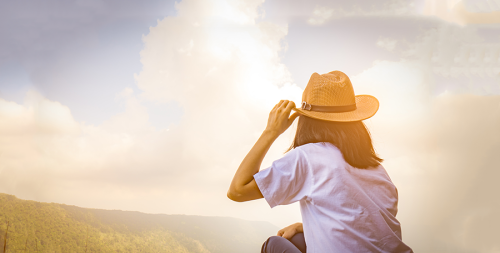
<point x="243" y="187"/>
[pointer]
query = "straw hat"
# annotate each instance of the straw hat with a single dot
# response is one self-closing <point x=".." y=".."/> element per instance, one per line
<point x="331" y="97"/>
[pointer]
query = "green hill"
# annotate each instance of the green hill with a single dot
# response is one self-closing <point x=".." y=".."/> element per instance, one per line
<point x="51" y="227"/>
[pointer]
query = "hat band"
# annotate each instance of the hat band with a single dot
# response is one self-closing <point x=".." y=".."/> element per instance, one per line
<point x="323" y="108"/>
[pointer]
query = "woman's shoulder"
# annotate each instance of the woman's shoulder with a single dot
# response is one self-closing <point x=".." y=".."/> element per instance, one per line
<point x="317" y="146"/>
<point x="321" y="149"/>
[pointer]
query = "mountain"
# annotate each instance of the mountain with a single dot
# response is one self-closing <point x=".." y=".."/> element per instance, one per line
<point x="51" y="227"/>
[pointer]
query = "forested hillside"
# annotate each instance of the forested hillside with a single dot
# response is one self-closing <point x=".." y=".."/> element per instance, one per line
<point x="50" y="227"/>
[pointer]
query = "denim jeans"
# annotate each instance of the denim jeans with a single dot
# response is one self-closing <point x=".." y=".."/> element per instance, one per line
<point x="278" y="244"/>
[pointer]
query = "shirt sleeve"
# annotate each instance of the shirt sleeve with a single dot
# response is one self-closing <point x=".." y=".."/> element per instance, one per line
<point x="287" y="180"/>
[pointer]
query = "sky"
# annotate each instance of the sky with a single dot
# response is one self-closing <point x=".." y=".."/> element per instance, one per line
<point x="151" y="105"/>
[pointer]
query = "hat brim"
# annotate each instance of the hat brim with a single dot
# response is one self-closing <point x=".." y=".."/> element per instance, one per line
<point x="366" y="107"/>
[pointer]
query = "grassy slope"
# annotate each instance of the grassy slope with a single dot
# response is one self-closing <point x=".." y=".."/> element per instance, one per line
<point x="54" y="227"/>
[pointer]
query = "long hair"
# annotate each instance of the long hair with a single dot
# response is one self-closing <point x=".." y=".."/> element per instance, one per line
<point x="351" y="138"/>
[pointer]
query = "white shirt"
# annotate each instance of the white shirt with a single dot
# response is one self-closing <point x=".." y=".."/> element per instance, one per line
<point x="344" y="209"/>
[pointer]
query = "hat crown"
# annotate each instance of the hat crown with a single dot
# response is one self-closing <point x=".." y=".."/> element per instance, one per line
<point x="331" y="89"/>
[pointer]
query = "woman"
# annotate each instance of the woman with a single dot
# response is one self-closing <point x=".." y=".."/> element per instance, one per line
<point x="348" y="202"/>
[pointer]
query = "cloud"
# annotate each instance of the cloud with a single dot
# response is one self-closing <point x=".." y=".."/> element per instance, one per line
<point x="221" y="65"/>
<point x="223" y="68"/>
<point x="321" y="14"/>
<point x="437" y="129"/>
<point x="70" y="50"/>
<point x="125" y="163"/>
<point x="441" y="153"/>
<point x="42" y="144"/>
<point x="387" y="43"/>
<point x="460" y="12"/>
<point x="482" y="5"/>
<point x="464" y="12"/>
<point x="459" y="57"/>
<point x="457" y="52"/>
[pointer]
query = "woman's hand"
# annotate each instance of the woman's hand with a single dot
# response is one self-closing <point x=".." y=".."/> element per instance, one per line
<point x="291" y="230"/>
<point x="279" y="119"/>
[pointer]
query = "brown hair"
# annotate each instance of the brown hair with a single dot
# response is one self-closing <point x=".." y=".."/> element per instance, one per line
<point x="351" y="138"/>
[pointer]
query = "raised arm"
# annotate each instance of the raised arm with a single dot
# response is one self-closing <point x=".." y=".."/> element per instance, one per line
<point x="243" y="187"/>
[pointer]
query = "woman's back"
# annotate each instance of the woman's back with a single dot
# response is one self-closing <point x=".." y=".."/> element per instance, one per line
<point x="344" y="209"/>
<point x="352" y="208"/>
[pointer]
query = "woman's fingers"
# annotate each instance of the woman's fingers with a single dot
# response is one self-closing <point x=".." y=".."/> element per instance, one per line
<point x="282" y="104"/>
<point x="286" y="106"/>
<point x="287" y="111"/>
<point x="293" y="117"/>
<point x="289" y="107"/>
<point x="281" y="232"/>
<point x="278" y="105"/>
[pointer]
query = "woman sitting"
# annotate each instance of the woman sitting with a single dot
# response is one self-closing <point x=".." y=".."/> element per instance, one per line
<point x="347" y="200"/>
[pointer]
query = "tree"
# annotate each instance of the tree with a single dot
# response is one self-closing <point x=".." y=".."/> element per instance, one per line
<point x="5" y="238"/>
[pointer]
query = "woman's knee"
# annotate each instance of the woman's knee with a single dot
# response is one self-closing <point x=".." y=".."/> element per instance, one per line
<point x="299" y="241"/>
<point x="278" y="244"/>
<point x="271" y="243"/>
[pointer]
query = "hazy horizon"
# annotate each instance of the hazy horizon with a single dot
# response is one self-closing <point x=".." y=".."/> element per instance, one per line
<point x="150" y="106"/>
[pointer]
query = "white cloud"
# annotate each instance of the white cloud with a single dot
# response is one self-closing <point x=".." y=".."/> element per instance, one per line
<point x="226" y="84"/>
<point x="482" y="5"/>
<point x="41" y="139"/>
<point x="464" y="12"/>
<point x="441" y="152"/>
<point x="221" y="66"/>
<point x="459" y="55"/>
<point x="440" y="148"/>
<point x="321" y="14"/>
<point x="387" y="43"/>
